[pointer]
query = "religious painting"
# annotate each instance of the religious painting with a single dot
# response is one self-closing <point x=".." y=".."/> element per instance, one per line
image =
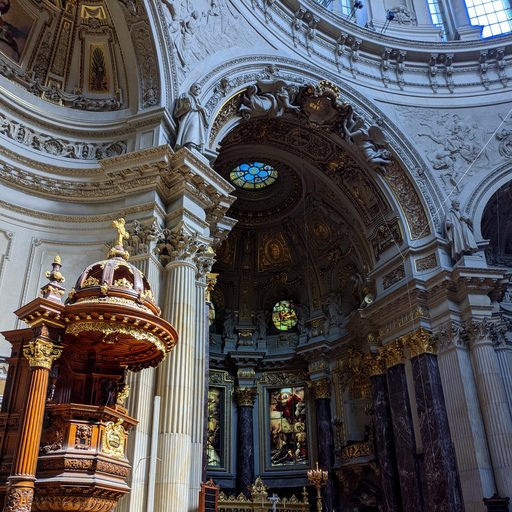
<point x="288" y="432"/>
<point x="215" y="438"/>
<point x="98" y="69"/>
<point x="15" y="26"/>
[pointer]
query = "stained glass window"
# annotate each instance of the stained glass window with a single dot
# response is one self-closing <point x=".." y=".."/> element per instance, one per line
<point x="214" y="447"/>
<point x="284" y="315"/>
<point x="253" y="176"/>
<point x="494" y="15"/>
<point x="288" y="433"/>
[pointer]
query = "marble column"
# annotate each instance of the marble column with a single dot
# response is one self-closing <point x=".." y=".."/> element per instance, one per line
<point x="245" y="398"/>
<point x="493" y="403"/>
<point x="465" y="417"/>
<point x="442" y="483"/>
<point x="322" y="391"/>
<point x="403" y="428"/>
<point x="384" y="441"/>
<point x="175" y="374"/>
<point x="140" y="402"/>
<point x="40" y="352"/>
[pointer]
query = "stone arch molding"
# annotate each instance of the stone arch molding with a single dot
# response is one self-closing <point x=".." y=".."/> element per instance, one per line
<point x="224" y="87"/>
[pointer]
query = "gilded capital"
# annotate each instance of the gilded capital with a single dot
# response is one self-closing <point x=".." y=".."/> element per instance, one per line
<point x="322" y="388"/>
<point x="375" y="365"/>
<point x="41" y="353"/>
<point x="245" y="396"/>
<point x="393" y="353"/>
<point x="421" y="342"/>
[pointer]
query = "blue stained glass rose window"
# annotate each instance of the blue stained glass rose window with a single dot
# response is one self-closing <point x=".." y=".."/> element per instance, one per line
<point x="253" y="176"/>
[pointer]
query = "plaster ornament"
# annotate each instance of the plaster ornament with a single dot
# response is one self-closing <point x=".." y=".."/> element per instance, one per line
<point x="367" y="141"/>
<point x="192" y="120"/>
<point x="459" y="232"/>
<point x="268" y="98"/>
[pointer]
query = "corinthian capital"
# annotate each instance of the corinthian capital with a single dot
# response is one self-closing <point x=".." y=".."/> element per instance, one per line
<point x="480" y="332"/>
<point x="204" y="260"/>
<point x="322" y="388"/>
<point x="177" y="245"/>
<point x="245" y="396"/>
<point x="42" y="353"/>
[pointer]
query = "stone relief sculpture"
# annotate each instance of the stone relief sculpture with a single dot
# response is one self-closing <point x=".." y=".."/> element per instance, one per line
<point x="504" y="135"/>
<point x="367" y="141"/>
<point x="268" y="98"/>
<point x="201" y="28"/>
<point x="191" y="120"/>
<point x="334" y="310"/>
<point x="459" y="232"/>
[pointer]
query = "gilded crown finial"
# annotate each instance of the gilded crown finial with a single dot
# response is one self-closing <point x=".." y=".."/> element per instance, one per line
<point x="54" y="289"/>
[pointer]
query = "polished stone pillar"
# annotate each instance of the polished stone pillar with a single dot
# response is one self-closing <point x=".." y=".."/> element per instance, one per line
<point x="493" y="403"/>
<point x="384" y="441"/>
<point x="322" y="391"/>
<point x="40" y="352"/>
<point x="245" y="398"/>
<point x="443" y="494"/>
<point x="175" y="374"/>
<point x="403" y="428"/>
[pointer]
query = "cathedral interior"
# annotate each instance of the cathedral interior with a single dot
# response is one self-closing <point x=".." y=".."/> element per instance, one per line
<point x="309" y="300"/>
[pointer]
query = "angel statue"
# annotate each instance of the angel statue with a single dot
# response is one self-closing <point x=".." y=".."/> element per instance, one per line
<point x="367" y="141"/>
<point x="272" y="99"/>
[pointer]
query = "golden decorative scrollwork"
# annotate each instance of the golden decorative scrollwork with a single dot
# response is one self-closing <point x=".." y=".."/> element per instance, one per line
<point x="245" y="396"/>
<point x="112" y="329"/>
<point x="113" y="439"/>
<point x="355" y="450"/>
<point x="41" y="353"/>
<point x="124" y="283"/>
<point x="90" y="281"/>
<point x="123" y="394"/>
<point x="375" y="364"/>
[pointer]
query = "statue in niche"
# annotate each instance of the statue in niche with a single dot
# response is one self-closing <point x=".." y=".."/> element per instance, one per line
<point x="333" y="307"/>
<point x="302" y="315"/>
<point x="229" y="324"/>
<point x="367" y="141"/>
<point x="260" y="320"/>
<point x="459" y="232"/>
<point x="192" y="120"/>
<point x="268" y="98"/>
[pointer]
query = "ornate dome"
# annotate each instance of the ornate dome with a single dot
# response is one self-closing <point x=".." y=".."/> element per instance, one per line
<point x="112" y="312"/>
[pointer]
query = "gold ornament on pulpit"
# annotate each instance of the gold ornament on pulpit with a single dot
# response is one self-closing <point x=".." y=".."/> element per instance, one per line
<point x="318" y="478"/>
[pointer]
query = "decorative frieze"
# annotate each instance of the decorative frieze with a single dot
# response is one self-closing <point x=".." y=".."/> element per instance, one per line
<point x="393" y="277"/>
<point x="427" y="263"/>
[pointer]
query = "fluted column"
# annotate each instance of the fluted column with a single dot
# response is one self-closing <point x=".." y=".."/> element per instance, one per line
<point x="493" y="403"/>
<point x="140" y="402"/>
<point x="403" y="428"/>
<point x="245" y="398"/>
<point x="503" y="356"/>
<point x="175" y="374"/>
<point x="204" y="262"/>
<point x="322" y="392"/>
<point x="384" y="442"/>
<point x="439" y="458"/>
<point x="465" y="417"/>
<point x="40" y="352"/>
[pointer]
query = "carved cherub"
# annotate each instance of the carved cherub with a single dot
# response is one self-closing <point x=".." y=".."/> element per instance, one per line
<point x="367" y="141"/>
<point x="270" y="98"/>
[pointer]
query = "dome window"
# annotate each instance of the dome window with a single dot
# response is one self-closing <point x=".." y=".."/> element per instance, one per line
<point x="253" y="176"/>
<point x="284" y="315"/>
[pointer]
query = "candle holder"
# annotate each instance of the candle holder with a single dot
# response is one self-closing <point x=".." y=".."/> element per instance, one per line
<point x="318" y="478"/>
